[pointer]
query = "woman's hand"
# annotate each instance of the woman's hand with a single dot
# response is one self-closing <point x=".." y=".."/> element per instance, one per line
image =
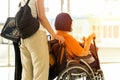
<point x="59" y="38"/>
<point x="93" y="35"/>
<point x="84" y="38"/>
<point x="90" y="37"/>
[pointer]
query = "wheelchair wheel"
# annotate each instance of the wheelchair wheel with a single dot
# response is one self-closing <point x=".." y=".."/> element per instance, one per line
<point x="74" y="73"/>
<point x="99" y="75"/>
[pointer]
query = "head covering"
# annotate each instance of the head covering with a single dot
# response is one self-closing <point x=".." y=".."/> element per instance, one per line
<point x="63" y="22"/>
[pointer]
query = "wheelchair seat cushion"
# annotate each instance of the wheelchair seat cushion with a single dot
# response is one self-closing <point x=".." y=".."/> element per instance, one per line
<point x="89" y="58"/>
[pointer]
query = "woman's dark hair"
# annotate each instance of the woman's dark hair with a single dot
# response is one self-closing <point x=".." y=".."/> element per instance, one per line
<point x="63" y="22"/>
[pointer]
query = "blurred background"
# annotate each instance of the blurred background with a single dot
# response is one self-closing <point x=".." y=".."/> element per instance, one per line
<point x="99" y="16"/>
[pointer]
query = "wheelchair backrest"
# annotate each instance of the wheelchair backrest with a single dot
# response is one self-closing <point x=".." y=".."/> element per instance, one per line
<point x="58" y="58"/>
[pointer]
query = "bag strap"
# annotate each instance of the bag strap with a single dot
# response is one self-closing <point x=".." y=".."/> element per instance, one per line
<point x="25" y="4"/>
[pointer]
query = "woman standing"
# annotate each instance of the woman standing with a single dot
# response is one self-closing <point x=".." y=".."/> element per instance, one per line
<point x="34" y="49"/>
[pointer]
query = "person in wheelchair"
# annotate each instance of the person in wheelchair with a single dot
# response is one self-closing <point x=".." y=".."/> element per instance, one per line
<point x="63" y="26"/>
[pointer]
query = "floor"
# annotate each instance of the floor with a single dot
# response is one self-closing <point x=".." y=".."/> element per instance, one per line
<point x="6" y="73"/>
<point x="110" y="65"/>
<point x="110" y="70"/>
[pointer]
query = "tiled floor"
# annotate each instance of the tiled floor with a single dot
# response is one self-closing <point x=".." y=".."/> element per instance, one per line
<point x="110" y="70"/>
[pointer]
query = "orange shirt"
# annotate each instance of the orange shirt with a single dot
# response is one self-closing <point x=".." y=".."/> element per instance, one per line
<point x="72" y="45"/>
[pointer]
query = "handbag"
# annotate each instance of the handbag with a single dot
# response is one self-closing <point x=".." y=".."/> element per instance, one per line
<point x="23" y="25"/>
<point x="9" y="30"/>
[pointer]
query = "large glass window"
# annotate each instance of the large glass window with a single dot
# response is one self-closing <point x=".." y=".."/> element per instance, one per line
<point x="99" y="16"/>
<point x="8" y="8"/>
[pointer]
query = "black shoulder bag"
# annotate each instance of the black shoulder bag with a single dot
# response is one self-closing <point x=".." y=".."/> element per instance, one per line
<point x="25" y="22"/>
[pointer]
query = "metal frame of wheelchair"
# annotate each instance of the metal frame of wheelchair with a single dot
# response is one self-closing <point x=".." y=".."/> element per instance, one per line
<point x="80" y="72"/>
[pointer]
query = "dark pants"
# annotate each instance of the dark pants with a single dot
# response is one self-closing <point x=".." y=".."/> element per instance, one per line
<point x="18" y="65"/>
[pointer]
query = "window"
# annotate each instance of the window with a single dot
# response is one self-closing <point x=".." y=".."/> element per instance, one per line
<point x="99" y="16"/>
<point x="110" y="32"/>
<point x="6" y="48"/>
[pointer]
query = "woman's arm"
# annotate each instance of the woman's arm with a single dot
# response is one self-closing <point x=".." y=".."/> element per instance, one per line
<point x="44" y="21"/>
<point x="87" y="42"/>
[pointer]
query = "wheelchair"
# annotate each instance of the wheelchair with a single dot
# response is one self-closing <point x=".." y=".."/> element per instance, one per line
<point x="75" y="69"/>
